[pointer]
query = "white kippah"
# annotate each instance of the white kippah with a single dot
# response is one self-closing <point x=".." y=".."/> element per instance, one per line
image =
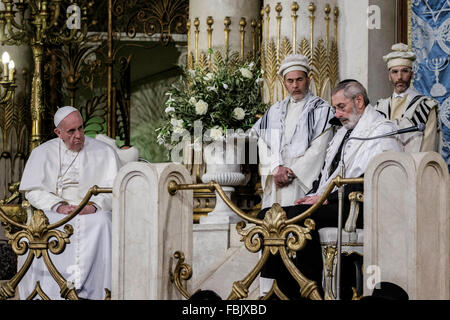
<point x="294" y="62"/>
<point x="400" y="56"/>
<point x="61" y="113"/>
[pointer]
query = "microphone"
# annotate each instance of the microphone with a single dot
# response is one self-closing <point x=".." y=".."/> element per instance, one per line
<point x="420" y="127"/>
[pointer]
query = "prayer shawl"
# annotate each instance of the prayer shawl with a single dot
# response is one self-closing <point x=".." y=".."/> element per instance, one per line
<point x="303" y="153"/>
<point x="358" y="153"/>
<point x="100" y="165"/>
<point x="419" y="109"/>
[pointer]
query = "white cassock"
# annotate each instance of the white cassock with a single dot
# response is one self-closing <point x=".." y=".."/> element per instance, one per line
<point x="54" y="174"/>
<point x="358" y="153"/>
<point x="294" y="135"/>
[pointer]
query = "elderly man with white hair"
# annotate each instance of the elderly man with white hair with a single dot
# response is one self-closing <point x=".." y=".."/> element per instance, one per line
<point x="56" y="178"/>
<point x="292" y="140"/>
<point x="406" y="106"/>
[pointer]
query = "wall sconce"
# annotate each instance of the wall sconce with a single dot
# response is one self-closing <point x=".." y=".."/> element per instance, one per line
<point x="8" y="68"/>
<point x="7" y="81"/>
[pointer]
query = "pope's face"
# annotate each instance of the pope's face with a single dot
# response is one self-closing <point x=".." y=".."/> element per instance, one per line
<point x="297" y="84"/>
<point x="400" y="77"/>
<point x="348" y="111"/>
<point x="71" y="131"/>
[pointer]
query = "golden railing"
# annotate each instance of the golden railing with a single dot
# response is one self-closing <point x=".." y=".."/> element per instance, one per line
<point x="275" y="234"/>
<point x="41" y="237"/>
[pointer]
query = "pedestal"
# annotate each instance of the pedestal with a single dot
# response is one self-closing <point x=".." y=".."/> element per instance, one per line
<point x="149" y="226"/>
<point x="407" y="225"/>
<point x="223" y="165"/>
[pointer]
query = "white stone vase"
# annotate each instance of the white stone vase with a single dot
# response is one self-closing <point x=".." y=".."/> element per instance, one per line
<point x="223" y="160"/>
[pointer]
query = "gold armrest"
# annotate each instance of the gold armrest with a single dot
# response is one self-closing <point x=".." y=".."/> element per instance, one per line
<point x="355" y="198"/>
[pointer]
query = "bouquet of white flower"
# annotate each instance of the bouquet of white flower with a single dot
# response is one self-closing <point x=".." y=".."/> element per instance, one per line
<point x="227" y="99"/>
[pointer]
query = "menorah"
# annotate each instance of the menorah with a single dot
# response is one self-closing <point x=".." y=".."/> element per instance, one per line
<point x="39" y="23"/>
<point x="437" y="65"/>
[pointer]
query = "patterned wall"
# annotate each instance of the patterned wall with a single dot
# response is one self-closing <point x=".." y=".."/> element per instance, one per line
<point x="430" y="39"/>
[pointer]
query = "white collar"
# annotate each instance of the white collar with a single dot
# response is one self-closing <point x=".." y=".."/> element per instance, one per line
<point x="293" y="101"/>
<point x="401" y="95"/>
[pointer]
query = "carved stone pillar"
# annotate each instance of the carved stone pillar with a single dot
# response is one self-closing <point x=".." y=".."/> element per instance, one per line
<point x="406" y="224"/>
<point x="366" y="33"/>
<point x="149" y="226"/>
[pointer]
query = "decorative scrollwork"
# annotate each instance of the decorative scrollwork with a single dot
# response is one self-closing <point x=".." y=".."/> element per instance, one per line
<point x="151" y="17"/>
<point x="38" y="238"/>
<point x="253" y="237"/>
<point x="182" y="271"/>
<point x="273" y="235"/>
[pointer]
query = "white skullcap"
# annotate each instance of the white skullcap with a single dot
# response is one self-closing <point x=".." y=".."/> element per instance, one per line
<point x="294" y="62"/>
<point x="400" y="56"/>
<point x="61" y="113"/>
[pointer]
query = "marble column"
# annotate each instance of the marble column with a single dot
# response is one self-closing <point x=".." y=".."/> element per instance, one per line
<point x="149" y="226"/>
<point x="407" y="225"/>
<point x="366" y="33"/>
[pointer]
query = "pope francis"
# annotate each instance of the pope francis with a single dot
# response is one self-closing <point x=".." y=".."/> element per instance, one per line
<point x="56" y="177"/>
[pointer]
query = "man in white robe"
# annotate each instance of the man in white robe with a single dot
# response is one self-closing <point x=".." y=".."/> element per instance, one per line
<point x="56" y="178"/>
<point x="292" y="137"/>
<point x="407" y="107"/>
<point x="358" y="119"/>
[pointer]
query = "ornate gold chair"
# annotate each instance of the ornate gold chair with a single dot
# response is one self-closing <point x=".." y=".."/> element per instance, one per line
<point x="352" y="243"/>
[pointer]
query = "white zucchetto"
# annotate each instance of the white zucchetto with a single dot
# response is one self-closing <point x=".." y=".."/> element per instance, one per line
<point x="294" y="62"/>
<point x="61" y="113"/>
<point x="400" y="56"/>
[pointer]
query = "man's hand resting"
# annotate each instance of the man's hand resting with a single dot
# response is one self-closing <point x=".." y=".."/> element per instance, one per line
<point x="68" y="209"/>
<point x="283" y="176"/>
<point x="309" y="200"/>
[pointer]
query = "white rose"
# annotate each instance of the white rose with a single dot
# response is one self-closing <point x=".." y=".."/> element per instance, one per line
<point x="209" y="76"/>
<point x="169" y="109"/>
<point x="192" y="100"/>
<point x="201" y="107"/>
<point x="225" y="86"/>
<point x="216" y="133"/>
<point x="238" y="113"/>
<point x="246" y="73"/>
